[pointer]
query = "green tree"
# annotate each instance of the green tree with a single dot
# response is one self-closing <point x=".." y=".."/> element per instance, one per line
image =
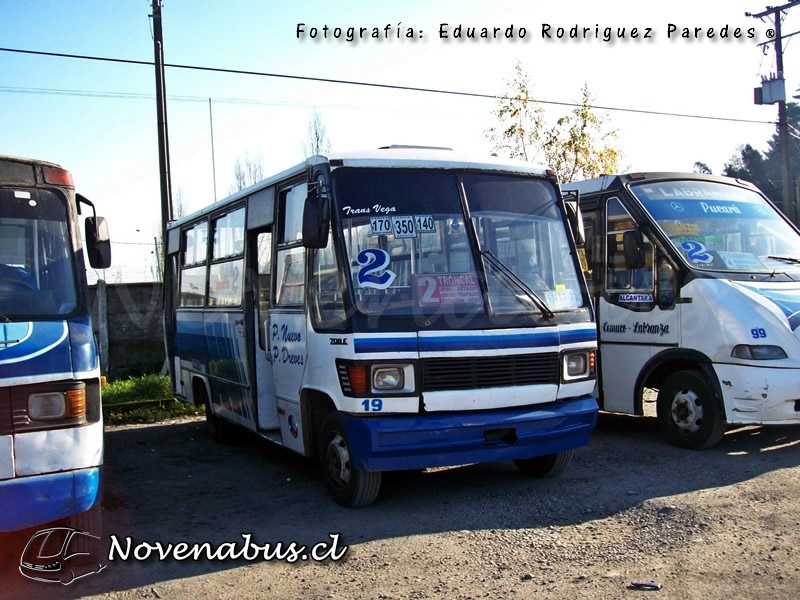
<point x="521" y="128"/>
<point x="764" y="169"/>
<point x="703" y="168"/>
<point x="577" y="145"/>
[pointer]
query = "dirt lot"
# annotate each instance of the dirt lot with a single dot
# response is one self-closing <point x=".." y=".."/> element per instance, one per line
<point x="721" y="523"/>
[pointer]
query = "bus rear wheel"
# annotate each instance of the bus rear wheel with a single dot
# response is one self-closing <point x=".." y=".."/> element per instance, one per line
<point x="548" y="465"/>
<point x="348" y="485"/>
<point x="689" y="413"/>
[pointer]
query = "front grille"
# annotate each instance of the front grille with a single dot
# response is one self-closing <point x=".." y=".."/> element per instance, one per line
<point x="6" y="427"/>
<point x="441" y="374"/>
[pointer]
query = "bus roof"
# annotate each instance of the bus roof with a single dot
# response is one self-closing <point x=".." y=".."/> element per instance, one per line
<point x="398" y="157"/>
<point x="614" y="181"/>
<point x="16" y="170"/>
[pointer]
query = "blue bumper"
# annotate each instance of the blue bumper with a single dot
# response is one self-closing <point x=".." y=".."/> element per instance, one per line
<point x="38" y="499"/>
<point x="442" y="439"/>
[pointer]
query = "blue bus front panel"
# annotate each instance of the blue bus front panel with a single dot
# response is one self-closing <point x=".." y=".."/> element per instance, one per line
<point x="443" y="439"/>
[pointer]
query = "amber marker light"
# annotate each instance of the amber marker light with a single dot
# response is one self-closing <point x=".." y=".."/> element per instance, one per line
<point x="76" y="403"/>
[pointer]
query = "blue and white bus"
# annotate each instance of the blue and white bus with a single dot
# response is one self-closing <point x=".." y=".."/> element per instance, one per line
<point x="697" y="287"/>
<point x="51" y="428"/>
<point x="403" y="308"/>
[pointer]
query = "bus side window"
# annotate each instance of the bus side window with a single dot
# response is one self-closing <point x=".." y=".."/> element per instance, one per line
<point x="291" y="254"/>
<point x="291" y="277"/>
<point x="264" y="281"/>
<point x="327" y="304"/>
<point x="618" y="276"/>
<point x="193" y="265"/>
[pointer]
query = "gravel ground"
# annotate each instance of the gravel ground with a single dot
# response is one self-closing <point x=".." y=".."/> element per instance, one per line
<point x="721" y="523"/>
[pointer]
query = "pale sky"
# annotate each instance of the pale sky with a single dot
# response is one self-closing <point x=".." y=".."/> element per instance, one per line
<point x="99" y="120"/>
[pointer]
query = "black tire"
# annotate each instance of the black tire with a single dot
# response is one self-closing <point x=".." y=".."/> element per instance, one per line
<point x="221" y="431"/>
<point x="548" y="465"/>
<point x="348" y="486"/>
<point x="689" y="413"/>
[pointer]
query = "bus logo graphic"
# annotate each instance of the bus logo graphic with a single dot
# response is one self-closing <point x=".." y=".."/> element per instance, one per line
<point x="676" y="206"/>
<point x="60" y="554"/>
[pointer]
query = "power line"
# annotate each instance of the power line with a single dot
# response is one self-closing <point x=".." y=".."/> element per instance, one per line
<point x="377" y="85"/>
<point x="142" y="96"/>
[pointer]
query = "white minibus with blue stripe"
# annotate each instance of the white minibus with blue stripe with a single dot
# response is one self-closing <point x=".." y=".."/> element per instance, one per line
<point x="51" y="426"/>
<point x="402" y="308"/>
<point x="697" y="286"/>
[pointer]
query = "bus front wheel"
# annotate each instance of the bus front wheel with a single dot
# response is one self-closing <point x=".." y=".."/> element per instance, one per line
<point x="689" y="414"/>
<point x="549" y="465"/>
<point x="349" y="486"/>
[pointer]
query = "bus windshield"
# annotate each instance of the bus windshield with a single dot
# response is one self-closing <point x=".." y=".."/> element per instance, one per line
<point x="36" y="271"/>
<point x="410" y="248"/>
<point x="721" y="227"/>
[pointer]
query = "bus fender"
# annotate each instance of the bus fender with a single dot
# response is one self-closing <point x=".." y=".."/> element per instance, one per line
<point x="667" y="362"/>
<point x="199" y="380"/>
<point x="315" y="405"/>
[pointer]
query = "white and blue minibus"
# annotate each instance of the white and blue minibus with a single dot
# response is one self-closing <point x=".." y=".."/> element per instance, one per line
<point x="697" y="286"/>
<point x="51" y="426"/>
<point x="402" y="308"/>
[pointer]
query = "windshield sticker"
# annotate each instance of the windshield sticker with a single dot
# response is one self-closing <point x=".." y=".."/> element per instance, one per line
<point x="425" y="224"/>
<point x="380" y="225"/>
<point x="403" y="227"/>
<point x="458" y="288"/>
<point x="696" y="252"/>
<point x="742" y="261"/>
<point x="372" y="260"/>
<point x="562" y="299"/>
<point x="634" y="298"/>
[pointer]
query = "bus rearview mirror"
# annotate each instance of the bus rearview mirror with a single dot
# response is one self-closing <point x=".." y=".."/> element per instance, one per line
<point x="316" y="217"/>
<point x="633" y="245"/>
<point x="572" y="206"/>
<point x="98" y="243"/>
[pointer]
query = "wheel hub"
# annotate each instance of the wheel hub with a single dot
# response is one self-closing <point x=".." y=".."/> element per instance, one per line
<point x="687" y="412"/>
<point x="338" y="460"/>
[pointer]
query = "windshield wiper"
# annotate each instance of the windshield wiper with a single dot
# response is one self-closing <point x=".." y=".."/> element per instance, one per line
<point x="513" y="278"/>
<point x="790" y="259"/>
<point x="4" y="319"/>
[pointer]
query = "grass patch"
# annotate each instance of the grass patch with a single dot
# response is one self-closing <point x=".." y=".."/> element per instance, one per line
<point x="145" y="399"/>
<point x="169" y="409"/>
<point x="146" y="387"/>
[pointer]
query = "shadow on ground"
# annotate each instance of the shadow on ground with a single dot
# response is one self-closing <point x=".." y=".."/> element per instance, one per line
<point x="171" y="483"/>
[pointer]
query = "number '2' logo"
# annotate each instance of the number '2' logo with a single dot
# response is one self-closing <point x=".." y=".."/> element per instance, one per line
<point x="371" y="260"/>
<point x="697" y="252"/>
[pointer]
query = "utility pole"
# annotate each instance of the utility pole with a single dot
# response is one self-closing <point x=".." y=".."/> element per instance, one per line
<point x="161" y="112"/>
<point x="787" y="184"/>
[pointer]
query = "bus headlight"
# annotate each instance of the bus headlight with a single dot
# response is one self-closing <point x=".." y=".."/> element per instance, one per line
<point x="577" y="365"/>
<point x="359" y="379"/>
<point x="49" y="405"/>
<point x="45" y="406"/>
<point x="387" y="378"/>
<point x="758" y="352"/>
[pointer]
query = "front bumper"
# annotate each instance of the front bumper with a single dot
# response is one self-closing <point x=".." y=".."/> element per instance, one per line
<point x="443" y="439"/>
<point x="760" y="395"/>
<point x="38" y="499"/>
